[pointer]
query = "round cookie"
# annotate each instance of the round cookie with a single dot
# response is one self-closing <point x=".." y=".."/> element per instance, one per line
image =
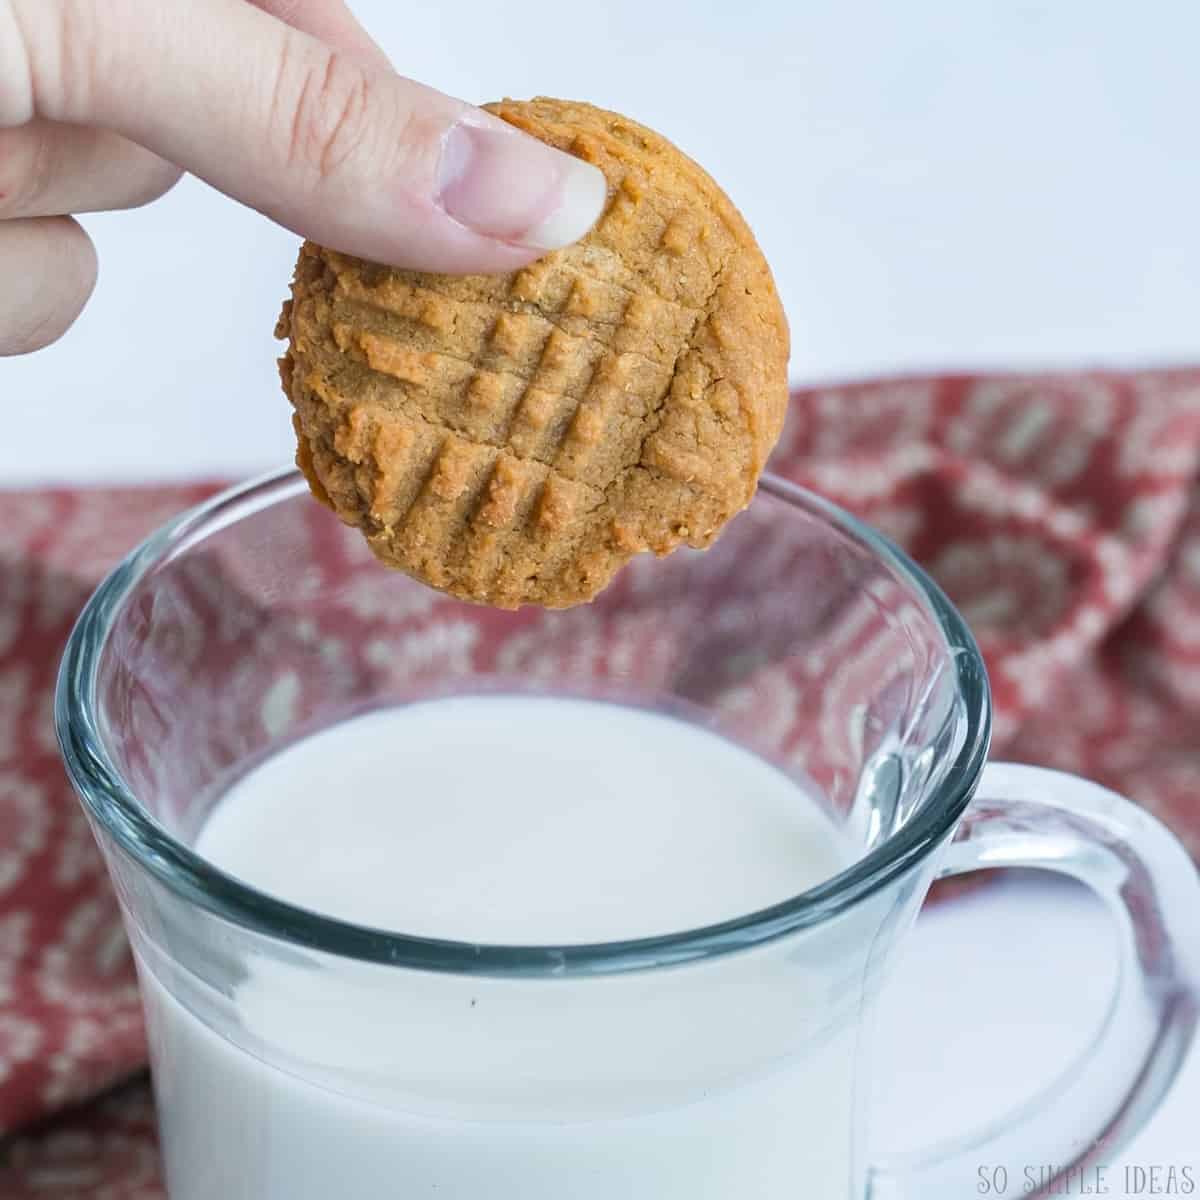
<point x="514" y="439"/>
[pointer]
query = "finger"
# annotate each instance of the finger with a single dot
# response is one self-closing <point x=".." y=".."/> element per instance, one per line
<point x="48" y="169"/>
<point x="49" y="270"/>
<point x="356" y="158"/>
<point x="331" y="22"/>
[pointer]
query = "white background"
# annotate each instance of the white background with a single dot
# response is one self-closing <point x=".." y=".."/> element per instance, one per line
<point x="936" y="184"/>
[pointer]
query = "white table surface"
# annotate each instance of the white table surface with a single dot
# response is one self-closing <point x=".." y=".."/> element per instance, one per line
<point x="936" y="184"/>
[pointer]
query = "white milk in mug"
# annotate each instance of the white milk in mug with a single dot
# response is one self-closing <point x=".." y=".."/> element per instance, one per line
<point x="526" y="822"/>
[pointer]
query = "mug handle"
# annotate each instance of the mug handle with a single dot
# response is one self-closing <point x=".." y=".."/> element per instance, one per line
<point x="1031" y="817"/>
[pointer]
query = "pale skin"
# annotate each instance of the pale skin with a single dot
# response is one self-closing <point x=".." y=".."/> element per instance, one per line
<point x="285" y="105"/>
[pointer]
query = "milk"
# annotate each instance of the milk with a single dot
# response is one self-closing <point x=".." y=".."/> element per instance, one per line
<point x="521" y="821"/>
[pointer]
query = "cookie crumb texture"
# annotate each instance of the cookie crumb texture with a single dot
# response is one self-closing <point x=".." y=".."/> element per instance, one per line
<point x="514" y="439"/>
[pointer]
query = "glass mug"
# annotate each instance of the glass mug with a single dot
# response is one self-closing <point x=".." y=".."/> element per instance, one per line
<point x="296" y="1056"/>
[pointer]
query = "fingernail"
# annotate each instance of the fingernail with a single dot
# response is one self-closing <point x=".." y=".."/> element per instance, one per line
<point x="507" y="185"/>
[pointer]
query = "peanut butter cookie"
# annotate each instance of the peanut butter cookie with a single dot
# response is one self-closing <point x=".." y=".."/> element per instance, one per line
<point x="514" y="439"/>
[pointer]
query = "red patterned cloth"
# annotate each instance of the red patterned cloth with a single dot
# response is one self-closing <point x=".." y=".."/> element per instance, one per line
<point x="1061" y="513"/>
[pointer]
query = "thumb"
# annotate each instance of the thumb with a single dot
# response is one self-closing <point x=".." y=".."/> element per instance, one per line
<point x="323" y="141"/>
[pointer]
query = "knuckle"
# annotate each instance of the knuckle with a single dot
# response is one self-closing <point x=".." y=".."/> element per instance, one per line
<point x="16" y="72"/>
<point x="328" y="121"/>
<point x="70" y="87"/>
<point x="64" y="42"/>
<point x="52" y="54"/>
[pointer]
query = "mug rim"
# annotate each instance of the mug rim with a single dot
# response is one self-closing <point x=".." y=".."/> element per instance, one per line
<point x="138" y="836"/>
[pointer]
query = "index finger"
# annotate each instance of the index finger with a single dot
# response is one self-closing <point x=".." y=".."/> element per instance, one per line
<point x="331" y="146"/>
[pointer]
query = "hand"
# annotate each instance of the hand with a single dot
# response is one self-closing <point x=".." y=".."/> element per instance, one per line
<point x="286" y="105"/>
